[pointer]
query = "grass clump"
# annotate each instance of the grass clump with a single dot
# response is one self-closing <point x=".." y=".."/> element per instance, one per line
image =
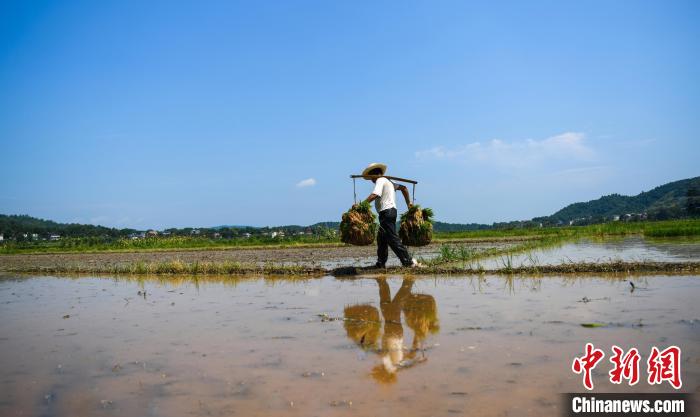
<point x="358" y="225"/>
<point x="416" y="226"/>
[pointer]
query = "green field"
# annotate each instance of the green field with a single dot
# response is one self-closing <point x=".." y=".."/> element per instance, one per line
<point x="667" y="228"/>
<point x="658" y="229"/>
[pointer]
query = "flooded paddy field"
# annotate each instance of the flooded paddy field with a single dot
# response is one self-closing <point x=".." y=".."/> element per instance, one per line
<point x="370" y="346"/>
<point x="327" y="257"/>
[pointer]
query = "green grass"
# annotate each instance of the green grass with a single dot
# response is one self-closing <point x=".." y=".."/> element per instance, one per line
<point x="670" y="228"/>
<point x="160" y="243"/>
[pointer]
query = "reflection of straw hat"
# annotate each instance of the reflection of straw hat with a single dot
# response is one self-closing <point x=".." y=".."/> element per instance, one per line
<point x="373" y="166"/>
<point x="421" y="314"/>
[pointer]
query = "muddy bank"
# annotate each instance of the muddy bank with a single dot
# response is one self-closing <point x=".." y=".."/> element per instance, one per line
<point x="577" y="268"/>
<point x="232" y="268"/>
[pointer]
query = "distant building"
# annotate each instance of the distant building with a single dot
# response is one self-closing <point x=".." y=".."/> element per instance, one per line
<point x="246" y="235"/>
<point x="35" y="236"/>
<point x="55" y="237"/>
<point x="273" y="235"/>
<point x="217" y="235"/>
<point x="151" y="233"/>
<point x="195" y="232"/>
<point x="616" y="218"/>
<point x="2" y="237"/>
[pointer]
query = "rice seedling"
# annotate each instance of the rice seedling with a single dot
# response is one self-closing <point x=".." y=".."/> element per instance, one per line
<point x="532" y="258"/>
<point x="507" y="262"/>
<point x="465" y="253"/>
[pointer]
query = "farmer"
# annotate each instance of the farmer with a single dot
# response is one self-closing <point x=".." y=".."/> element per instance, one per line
<point x="384" y="197"/>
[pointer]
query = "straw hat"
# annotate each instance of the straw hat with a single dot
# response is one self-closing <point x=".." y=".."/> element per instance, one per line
<point x="373" y="166"/>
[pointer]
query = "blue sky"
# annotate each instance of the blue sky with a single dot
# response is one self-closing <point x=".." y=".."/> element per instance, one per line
<point x="159" y="114"/>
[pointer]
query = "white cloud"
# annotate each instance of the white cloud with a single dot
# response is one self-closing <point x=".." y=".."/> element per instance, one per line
<point x="309" y="182"/>
<point x="517" y="154"/>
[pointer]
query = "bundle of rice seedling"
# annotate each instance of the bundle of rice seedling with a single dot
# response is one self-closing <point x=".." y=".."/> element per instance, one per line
<point x="358" y="226"/>
<point x="416" y="226"/>
<point x="363" y="325"/>
<point x="421" y="315"/>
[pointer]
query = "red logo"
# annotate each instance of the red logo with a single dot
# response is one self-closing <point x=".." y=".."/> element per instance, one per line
<point x="662" y="365"/>
<point x="665" y="366"/>
<point x="626" y="367"/>
<point x="586" y="363"/>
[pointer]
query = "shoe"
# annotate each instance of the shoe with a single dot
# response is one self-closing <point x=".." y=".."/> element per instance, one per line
<point x="378" y="265"/>
<point x="416" y="264"/>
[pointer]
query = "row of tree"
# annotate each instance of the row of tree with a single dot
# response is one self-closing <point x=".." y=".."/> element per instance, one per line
<point x="17" y="226"/>
<point x="23" y="227"/>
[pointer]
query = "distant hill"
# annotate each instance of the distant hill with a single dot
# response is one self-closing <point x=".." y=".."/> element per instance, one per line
<point x="458" y="227"/>
<point x="673" y="200"/>
<point x="17" y="225"/>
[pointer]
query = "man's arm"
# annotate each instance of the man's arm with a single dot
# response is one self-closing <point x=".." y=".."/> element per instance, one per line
<point x="406" y="197"/>
<point x="377" y="191"/>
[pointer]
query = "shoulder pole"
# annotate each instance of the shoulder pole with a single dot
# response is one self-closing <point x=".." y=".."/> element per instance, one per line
<point x="385" y="176"/>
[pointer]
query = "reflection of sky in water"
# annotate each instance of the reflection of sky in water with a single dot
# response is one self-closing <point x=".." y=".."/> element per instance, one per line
<point x="259" y="347"/>
<point x="633" y="249"/>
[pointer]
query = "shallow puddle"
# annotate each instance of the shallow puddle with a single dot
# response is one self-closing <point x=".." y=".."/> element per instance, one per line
<point x="629" y="249"/>
<point x="179" y="346"/>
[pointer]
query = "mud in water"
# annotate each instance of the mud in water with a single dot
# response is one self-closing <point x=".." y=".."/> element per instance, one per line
<point x="180" y="346"/>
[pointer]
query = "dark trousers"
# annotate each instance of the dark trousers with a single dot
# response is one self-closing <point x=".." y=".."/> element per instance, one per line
<point x="387" y="237"/>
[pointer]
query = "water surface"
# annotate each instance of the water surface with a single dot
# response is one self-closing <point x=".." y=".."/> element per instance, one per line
<point x="179" y="346"/>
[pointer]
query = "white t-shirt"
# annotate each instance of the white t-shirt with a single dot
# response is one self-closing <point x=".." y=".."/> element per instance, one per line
<point x="386" y="190"/>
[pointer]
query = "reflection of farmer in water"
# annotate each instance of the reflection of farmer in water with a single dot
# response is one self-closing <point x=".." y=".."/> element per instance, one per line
<point x="362" y="324"/>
